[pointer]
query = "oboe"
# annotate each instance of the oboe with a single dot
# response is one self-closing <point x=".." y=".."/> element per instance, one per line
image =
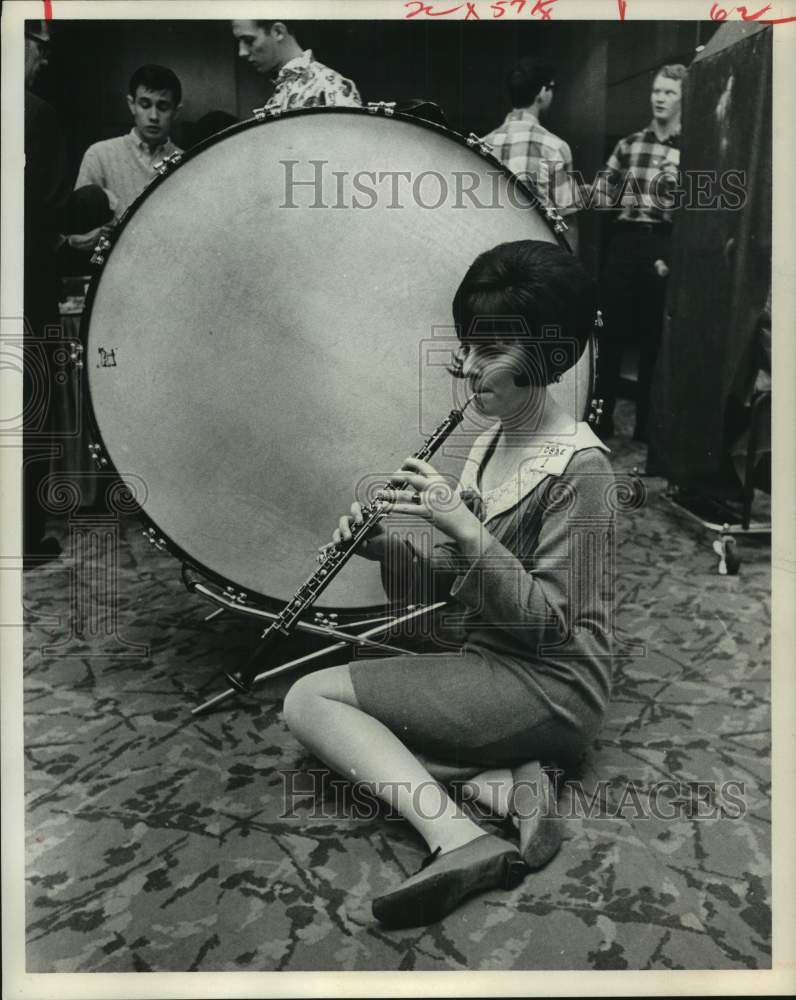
<point x="334" y="557"/>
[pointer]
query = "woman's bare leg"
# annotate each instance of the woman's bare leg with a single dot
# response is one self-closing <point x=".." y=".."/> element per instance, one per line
<point x="491" y="788"/>
<point x="322" y="711"/>
<point x="522" y="791"/>
<point x="528" y="795"/>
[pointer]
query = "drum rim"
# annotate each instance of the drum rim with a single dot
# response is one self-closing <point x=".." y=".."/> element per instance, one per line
<point x="254" y="597"/>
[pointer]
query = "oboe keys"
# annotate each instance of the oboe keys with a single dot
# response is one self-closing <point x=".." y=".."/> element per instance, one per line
<point x="325" y="551"/>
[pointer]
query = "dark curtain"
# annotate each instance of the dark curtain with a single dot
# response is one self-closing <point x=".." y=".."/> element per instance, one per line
<point x="721" y="264"/>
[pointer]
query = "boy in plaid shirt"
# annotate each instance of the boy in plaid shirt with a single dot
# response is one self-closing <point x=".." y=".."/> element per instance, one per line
<point x="530" y="150"/>
<point x="639" y="178"/>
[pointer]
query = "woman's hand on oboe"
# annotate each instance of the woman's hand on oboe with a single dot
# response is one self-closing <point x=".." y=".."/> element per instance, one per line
<point x="430" y="496"/>
<point x="373" y="547"/>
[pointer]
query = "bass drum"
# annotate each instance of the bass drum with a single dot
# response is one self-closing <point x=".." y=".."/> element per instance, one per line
<point x="272" y="326"/>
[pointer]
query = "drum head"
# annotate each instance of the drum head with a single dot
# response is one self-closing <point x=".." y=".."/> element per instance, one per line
<point x="274" y="347"/>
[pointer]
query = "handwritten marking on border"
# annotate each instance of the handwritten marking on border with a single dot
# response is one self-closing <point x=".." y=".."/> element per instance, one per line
<point x="721" y="13"/>
<point x="542" y="9"/>
<point x="478" y="10"/>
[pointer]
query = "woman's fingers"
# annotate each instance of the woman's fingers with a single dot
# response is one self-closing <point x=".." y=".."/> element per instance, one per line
<point x="348" y="521"/>
<point x="414" y="467"/>
<point x="345" y="528"/>
<point x="418" y="465"/>
<point x="398" y="496"/>
<point x="418" y="483"/>
<point x="415" y="509"/>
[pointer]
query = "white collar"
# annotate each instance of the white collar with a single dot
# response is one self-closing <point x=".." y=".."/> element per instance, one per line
<point x="296" y="64"/>
<point x="522" y="115"/>
<point x="144" y="147"/>
<point x="549" y="457"/>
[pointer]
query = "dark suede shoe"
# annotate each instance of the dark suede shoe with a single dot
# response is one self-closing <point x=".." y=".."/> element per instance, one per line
<point x="444" y="880"/>
<point x="533" y="814"/>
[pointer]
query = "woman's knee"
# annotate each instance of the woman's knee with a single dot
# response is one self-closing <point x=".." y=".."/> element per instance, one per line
<point x="307" y="694"/>
<point x="299" y="700"/>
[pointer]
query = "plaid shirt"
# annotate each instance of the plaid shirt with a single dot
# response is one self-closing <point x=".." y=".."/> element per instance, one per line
<point x="531" y="152"/>
<point x="304" y="82"/>
<point x="640" y="175"/>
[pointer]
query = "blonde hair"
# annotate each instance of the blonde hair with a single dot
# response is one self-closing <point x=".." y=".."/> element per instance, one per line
<point x="674" y="71"/>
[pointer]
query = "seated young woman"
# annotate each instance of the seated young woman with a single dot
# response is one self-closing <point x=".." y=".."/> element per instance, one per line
<point x="523" y="562"/>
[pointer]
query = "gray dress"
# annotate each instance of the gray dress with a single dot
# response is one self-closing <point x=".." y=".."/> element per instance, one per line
<point x="528" y="625"/>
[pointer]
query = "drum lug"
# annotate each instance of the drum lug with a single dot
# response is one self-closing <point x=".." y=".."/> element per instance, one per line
<point x="555" y="219"/>
<point x="102" y="245"/>
<point x="155" y="539"/>
<point x="76" y="354"/>
<point x="476" y="142"/>
<point x="596" y="412"/>
<point x="326" y="621"/>
<point x="262" y="114"/>
<point x="381" y="108"/>
<point x="235" y="596"/>
<point x="95" y="452"/>
<point x="167" y="163"/>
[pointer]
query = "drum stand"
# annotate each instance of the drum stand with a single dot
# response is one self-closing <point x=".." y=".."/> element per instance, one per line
<point x="324" y="625"/>
<point x="721" y="521"/>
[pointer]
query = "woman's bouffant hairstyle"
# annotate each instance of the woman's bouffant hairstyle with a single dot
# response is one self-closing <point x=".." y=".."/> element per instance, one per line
<point x="530" y="293"/>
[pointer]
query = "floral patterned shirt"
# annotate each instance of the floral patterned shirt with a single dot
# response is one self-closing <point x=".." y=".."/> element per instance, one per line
<point x="304" y="82"/>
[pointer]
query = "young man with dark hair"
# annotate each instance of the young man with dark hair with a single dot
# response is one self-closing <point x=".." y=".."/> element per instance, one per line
<point x="126" y="165"/>
<point x="639" y="178"/>
<point x="300" y="81"/>
<point x="530" y="150"/>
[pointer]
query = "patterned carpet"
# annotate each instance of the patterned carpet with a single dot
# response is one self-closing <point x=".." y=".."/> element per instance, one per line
<point x="161" y="842"/>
